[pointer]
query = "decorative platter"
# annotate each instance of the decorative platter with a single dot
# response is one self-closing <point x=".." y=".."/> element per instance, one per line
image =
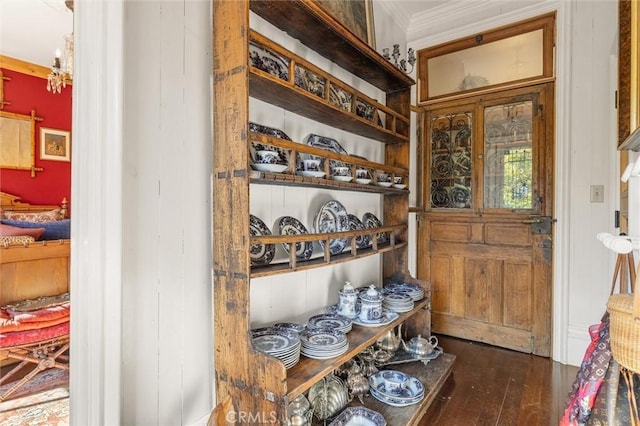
<point x="288" y="225"/>
<point x="328" y="144"/>
<point x="309" y="81"/>
<point x="339" y="97"/>
<point x="359" y="416"/>
<point x="362" y="241"/>
<point x="261" y="254"/>
<point x="268" y="61"/>
<point x="270" y="131"/>
<point x="370" y="221"/>
<point x="332" y="217"/>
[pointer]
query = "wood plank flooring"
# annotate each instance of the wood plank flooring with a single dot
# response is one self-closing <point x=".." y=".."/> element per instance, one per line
<point x="495" y="386"/>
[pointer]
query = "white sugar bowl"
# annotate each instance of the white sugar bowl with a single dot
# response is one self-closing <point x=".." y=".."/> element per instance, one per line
<point x="348" y="300"/>
<point x="371" y="305"/>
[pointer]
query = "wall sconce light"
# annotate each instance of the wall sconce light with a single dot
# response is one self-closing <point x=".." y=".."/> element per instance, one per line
<point x="402" y="64"/>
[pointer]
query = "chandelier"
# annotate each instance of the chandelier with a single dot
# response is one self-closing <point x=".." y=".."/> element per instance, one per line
<point x="62" y="68"/>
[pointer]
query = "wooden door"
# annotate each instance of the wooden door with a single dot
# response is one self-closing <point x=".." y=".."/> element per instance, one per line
<point x="485" y="233"/>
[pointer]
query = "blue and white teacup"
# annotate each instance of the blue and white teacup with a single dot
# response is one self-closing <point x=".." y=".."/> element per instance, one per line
<point x="266" y="157"/>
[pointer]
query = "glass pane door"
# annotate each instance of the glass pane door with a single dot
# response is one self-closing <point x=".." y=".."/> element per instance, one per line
<point x="508" y="154"/>
<point x="451" y="160"/>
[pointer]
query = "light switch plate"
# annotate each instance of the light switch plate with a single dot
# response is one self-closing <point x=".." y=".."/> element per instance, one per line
<point x="597" y="193"/>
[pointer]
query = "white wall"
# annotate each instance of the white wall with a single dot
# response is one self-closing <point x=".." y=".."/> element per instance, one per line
<point x="141" y="279"/>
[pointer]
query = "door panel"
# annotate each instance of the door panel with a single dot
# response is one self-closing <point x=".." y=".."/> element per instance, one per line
<point x="485" y="237"/>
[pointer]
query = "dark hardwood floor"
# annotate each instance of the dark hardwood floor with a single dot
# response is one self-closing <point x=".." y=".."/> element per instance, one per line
<point x="495" y="386"/>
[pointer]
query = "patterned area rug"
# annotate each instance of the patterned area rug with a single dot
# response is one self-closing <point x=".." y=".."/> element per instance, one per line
<point x="42" y="401"/>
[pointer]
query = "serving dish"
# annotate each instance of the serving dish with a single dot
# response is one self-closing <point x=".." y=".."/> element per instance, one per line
<point x="272" y="168"/>
<point x="359" y="416"/>
<point x="308" y="173"/>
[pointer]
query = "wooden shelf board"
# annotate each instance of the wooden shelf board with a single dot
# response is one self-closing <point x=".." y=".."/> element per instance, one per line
<point x="309" y="371"/>
<point x="316" y="29"/>
<point x="280" y="268"/>
<point x="266" y="178"/>
<point x="296" y="100"/>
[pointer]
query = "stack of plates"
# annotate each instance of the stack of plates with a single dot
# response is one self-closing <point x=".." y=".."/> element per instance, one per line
<point x="331" y="322"/>
<point x="320" y="343"/>
<point x="414" y="291"/>
<point x="411" y="393"/>
<point x="398" y="302"/>
<point x="279" y="342"/>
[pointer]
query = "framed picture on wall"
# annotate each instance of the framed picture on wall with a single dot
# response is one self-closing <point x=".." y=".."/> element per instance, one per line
<point x="356" y="15"/>
<point x="55" y="144"/>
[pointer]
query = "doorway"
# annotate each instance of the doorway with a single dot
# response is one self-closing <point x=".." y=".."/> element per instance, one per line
<point x="485" y="236"/>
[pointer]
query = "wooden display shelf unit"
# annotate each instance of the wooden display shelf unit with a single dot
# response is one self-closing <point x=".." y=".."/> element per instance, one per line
<point x="287" y="94"/>
<point x="259" y="384"/>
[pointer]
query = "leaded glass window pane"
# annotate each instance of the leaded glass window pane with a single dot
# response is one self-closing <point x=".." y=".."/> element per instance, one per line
<point x="508" y="154"/>
<point x="451" y="142"/>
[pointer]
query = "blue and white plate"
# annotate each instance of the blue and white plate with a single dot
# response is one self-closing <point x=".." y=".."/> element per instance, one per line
<point x="261" y="254"/>
<point x="332" y="217"/>
<point x="370" y="221"/>
<point x="362" y="241"/>
<point x="359" y="416"/>
<point x="330" y="321"/>
<point x="288" y="225"/>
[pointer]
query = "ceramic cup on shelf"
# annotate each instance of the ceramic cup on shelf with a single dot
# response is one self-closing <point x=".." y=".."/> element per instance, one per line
<point x="362" y="174"/>
<point x="340" y="171"/>
<point x="266" y="157"/>
<point x="397" y="180"/>
<point x="311" y="165"/>
<point x="383" y="177"/>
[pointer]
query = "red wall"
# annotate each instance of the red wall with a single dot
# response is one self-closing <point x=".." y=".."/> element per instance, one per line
<point x="26" y="93"/>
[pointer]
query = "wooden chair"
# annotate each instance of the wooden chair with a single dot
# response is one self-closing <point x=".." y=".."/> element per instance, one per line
<point x="46" y="354"/>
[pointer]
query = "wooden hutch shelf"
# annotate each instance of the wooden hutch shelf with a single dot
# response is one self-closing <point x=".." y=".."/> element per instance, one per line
<point x="258" y="383"/>
<point x="306" y="21"/>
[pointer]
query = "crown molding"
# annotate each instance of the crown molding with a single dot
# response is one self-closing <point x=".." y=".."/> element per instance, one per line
<point x="435" y="26"/>
<point x="23" y="67"/>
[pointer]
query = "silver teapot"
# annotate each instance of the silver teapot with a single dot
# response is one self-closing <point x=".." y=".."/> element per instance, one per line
<point x="419" y="346"/>
<point x="391" y="340"/>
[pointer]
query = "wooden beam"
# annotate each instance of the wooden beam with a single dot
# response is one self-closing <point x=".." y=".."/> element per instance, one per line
<point x="25" y="67"/>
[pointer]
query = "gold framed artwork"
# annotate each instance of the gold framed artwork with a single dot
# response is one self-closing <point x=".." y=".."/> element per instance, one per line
<point x="356" y="15"/>
<point x="55" y="144"/>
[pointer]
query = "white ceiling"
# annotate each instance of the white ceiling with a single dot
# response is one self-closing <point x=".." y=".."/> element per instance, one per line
<point x="32" y="30"/>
